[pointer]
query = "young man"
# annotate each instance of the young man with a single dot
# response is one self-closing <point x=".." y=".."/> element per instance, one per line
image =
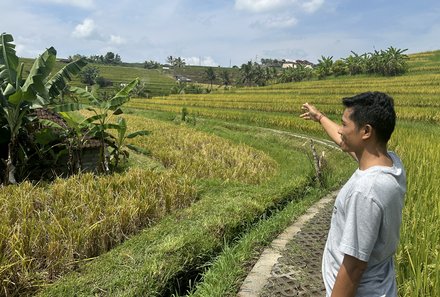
<point x="364" y="231"/>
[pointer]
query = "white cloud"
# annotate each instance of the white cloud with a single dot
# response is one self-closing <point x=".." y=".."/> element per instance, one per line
<point x="278" y="22"/>
<point x="76" y="3"/>
<point x="201" y="61"/>
<point x="312" y="5"/>
<point x="114" y="39"/>
<point x="84" y="30"/>
<point x="261" y="5"/>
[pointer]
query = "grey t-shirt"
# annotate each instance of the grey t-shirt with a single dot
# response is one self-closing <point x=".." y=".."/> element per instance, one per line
<point x="365" y="224"/>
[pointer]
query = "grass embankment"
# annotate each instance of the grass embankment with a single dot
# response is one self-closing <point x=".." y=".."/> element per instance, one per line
<point x="170" y="254"/>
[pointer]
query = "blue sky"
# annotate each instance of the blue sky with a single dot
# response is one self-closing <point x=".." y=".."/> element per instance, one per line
<point x="208" y="32"/>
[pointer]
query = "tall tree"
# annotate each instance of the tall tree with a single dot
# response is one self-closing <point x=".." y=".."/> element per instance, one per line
<point x="89" y="75"/>
<point x="224" y="76"/>
<point x="210" y="75"/>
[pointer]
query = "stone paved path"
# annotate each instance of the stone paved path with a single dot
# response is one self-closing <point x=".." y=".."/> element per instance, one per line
<point x="293" y="268"/>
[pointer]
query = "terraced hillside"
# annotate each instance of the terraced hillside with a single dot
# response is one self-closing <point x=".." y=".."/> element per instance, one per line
<point x="417" y="100"/>
<point x="169" y="255"/>
<point x="156" y="81"/>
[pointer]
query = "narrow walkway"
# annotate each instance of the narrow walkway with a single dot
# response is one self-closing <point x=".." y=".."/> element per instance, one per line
<point x="291" y="266"/>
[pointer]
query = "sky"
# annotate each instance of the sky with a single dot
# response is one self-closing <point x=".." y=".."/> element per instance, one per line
<point x="220" y="32"/>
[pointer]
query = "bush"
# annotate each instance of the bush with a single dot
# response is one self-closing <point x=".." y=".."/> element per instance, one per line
<point x="339" y="68"/>
<point x="104" y="82"/>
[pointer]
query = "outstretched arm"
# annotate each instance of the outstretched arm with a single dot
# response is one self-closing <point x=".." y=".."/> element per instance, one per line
<point x="330" y="127"/>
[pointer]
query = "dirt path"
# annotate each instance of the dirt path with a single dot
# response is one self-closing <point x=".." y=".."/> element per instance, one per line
<point x="291" y="265"/>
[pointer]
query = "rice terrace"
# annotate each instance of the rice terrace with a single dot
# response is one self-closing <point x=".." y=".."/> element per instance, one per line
<point x="192" y="180"/>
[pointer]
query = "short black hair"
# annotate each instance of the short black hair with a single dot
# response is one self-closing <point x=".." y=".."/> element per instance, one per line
<point x="375" y="109"/>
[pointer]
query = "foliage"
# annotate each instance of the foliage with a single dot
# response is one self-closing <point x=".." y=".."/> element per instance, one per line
<point x="272" y="62"/>
<point x="324" y="67"/>
<point x="339" y="68"/>
<point x="186" y="88"/>
<point x="356" y="64"/>
<point x="225" y="77"/>
<point x="20" y="96"/>
<point x="252" y="74"/>
<point x="89" y="75"/>
<point x="109" y="58"/>
<point x="103" y="82"/>
<point x="99" y="124"/>
<point x="210" y="75"/>
<point x="112" y="58"/>
<point x="151" y="64"/>
<point x="176" y="62"/>
<point x="390" y="62"/>
<point x="296" y="74"/>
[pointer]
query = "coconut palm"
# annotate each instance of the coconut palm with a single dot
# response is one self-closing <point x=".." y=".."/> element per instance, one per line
<point x="210" y="75"/>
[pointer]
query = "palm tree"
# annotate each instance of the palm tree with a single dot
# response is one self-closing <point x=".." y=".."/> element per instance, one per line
<point x="179" y="62"/>
<point x="246" y="74"/>
<point x="226" y="80"/>
<point x="210" y="75"/>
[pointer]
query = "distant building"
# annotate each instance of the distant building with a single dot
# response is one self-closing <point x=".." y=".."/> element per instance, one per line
<point x="181" y="78"/>
<point x="64" y="60"/>
<point x="294" y="64"/>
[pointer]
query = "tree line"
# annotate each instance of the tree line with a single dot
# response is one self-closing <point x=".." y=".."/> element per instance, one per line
<point x="389" y="62"/>
<point x="109" y="58"/>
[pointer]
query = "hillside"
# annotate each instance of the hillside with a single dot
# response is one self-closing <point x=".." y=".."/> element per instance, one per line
<point x="197" y="73"/>
<point x="157" y="82"/>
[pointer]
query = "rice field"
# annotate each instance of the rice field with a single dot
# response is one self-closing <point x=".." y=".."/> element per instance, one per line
<point x="417" y="100"/>
<point x="47" y="230"/>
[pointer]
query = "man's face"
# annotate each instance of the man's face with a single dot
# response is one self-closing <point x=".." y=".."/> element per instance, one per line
<point x="351" y="136"/>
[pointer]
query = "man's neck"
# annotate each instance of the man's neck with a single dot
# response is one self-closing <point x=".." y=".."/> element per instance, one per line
<point x="374" y="156"/>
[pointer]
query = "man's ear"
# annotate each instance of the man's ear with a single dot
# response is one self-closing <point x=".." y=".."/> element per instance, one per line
<point x="367" y="131"/>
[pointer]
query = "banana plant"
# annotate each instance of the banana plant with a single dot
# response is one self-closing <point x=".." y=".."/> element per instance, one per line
<point x="118" y="146"/>
<point x="18" y="95"/>
<point x="102" y="121"/>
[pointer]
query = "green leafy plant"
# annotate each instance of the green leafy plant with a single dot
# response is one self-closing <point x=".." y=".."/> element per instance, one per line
<point x="19" y="96"/>
<point x="100" y="124"/>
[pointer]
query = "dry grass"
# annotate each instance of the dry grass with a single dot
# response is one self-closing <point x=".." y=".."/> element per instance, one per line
<point x="47" y="230"/>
